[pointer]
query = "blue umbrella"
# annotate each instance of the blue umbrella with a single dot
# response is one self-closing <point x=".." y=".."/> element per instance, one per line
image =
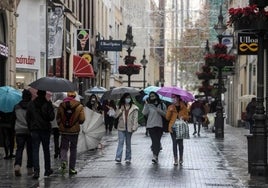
<point x="9" y="97"/>
<point x="149" y="89"/>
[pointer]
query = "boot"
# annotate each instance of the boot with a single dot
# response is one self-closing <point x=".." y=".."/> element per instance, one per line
<point x="17" y="170"/>
<point x="175" y="161"/>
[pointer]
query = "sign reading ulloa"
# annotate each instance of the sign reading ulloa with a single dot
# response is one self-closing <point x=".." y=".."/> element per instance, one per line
<point x="247" y="44"/>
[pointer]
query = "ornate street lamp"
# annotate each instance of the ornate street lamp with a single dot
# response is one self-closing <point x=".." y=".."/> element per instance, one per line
<point x="130" y="68"/>
<point x="219" y="119"/>
<point x="144" y="63"/>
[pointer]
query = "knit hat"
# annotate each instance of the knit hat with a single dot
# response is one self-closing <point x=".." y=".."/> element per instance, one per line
<point x="71" y="94"/>
<point x="26" y="95"/>
<point x="41" y="93"/>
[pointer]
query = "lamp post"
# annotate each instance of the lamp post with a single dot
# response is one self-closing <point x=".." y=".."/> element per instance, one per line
<point x="219" y="119"/>
<point x="129" y="44"/>
<point x="144" y="63"/>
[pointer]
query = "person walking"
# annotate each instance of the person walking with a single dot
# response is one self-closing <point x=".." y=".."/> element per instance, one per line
<point x="8" y="133"/>
<point x="94" y="104"/>
<point x="176" y="110"/>
<point x="23" y="136"/>
<point x="109" y="109"/>
<point x="69" y="131"/>
<point x="197" y="111"/>
<point x="154" y="109"/>
<point x="39" y="115"/>
<point x="251" y="109"/>
<point x="127" y="124"/>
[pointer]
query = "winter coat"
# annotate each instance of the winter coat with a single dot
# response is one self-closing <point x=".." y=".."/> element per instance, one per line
<point x="79" y="117"/>
<point x="132" y="119"/>
<point x="40" y="113"/>
<point x="154" y="114"/>
<point x="173" y="114"/>
<point x="21" y="126"/>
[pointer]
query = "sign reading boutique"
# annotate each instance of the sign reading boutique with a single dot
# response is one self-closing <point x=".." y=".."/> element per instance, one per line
<point x="247" y="44"/>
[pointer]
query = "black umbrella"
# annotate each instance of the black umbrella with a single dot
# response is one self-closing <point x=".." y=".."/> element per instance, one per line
<point x="53" y="84"/>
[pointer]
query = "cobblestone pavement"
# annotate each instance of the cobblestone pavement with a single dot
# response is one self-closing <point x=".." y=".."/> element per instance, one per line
<point x="208" y="162"/>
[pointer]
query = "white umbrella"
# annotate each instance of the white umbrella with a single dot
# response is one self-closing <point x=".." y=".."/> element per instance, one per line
<point x="95" y="90"/>
<point x="247" y="97"/>
<point x="92" y="131"/>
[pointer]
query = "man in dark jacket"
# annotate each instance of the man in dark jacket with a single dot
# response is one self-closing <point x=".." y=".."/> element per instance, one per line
<point x="251" y="109"/>
<point x="39" y="114"/>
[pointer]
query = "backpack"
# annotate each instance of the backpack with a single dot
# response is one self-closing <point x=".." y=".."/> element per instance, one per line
<point x="165" y="122"/>
<point x="68" y="120"/>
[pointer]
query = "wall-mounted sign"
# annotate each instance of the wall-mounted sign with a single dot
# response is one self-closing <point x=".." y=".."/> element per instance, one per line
<point x="82" y="37"/>
<point x="3" y="50"/>
<point x="109" y="45"/>
<point x="247" y="44"/>
<point x="25" y="60"/>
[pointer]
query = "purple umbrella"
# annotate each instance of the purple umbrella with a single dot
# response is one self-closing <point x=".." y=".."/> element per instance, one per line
<point x="169" y="91"/>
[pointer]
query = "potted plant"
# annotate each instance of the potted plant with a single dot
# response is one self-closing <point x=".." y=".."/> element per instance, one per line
<point x="248" y="18"/>
<point x="129" y="59"/>
<point x="129" y="69"/>
<point x="220" y="48"/>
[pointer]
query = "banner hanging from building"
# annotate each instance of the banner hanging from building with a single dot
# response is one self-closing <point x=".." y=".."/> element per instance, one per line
<point x="82" y="40"/>
<point x="247" y="44"/>
<point x="55" y="32"/>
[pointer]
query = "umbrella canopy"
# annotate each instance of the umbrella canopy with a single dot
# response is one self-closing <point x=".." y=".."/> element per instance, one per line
<point x="169" y="91"/>
<point x="149" y="89"/>
<point x="92" y="131"/>
<point x="95" y="90"/>
<point x="118" y="92"/>
<point x="247" y="97"/>
<point x="9" y="97"/>
<point x="53" y="84"/>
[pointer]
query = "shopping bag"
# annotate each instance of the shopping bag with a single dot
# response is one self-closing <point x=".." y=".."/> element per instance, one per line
<point x="181" y="129"/>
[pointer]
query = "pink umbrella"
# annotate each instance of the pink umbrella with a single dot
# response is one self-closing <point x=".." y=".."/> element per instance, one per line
<point x="172" y="90"/>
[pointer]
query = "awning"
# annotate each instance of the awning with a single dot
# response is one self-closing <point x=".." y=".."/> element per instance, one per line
<point x="82" y="68"/>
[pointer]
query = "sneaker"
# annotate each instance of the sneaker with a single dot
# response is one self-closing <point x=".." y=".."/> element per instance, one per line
<point x="17" y="170"/>
<point x="36" y="175"/>
<point x="155" y="159"/>
<point x="194" y="133"/>
<point x="48" y="172"/>
<point x="198" y="134"/>
<point x="117" y="160"/>
<point x="128" y="161"/>
<point x="72" y="172"/>
<point x="63" y="168"/>
<point x="176" y="162"/>
<point x="181" y="161"/>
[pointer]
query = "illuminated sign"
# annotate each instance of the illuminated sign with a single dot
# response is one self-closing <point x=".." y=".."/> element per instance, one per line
<point x="247" y="44"/>
<point x="3" y="50"/>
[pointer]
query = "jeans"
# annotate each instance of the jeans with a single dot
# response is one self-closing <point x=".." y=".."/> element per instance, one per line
<point x="8" y="140"/>
<point x="122" y="136"/>
<point x="109" y="123"/>
<point x="21" y="140"/>
<point x="43" y="137"/>
<point x="176" y="142"/>
<point x="56" y="135"/>
<point x="197" y="121"/>
<point x="156" y="134"/>
<point x="66" y="142"/>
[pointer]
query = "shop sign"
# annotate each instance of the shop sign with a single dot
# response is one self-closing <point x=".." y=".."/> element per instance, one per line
<point x="247" y="44"/>
<point x="109" y="45"/>
<point x="82" y="40"/>
<point x="3" y="50"/>
<point x="25" y="60"/>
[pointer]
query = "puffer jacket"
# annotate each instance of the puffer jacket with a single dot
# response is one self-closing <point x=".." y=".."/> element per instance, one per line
<point x="173" y="114"/>
<point x="20" y="110"/>
<point x="132" y="120"/>
<point x="39" y="114"/>
<point x="79" y="117"/>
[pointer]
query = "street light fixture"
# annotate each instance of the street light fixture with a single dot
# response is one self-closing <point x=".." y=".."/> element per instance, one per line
<point x="144" y="63"/>
<point x="219" y="119"/>
<point x="129" y="44"/>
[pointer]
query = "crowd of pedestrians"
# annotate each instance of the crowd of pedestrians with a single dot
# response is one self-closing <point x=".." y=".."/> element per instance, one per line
<point x="33" y="122"/>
